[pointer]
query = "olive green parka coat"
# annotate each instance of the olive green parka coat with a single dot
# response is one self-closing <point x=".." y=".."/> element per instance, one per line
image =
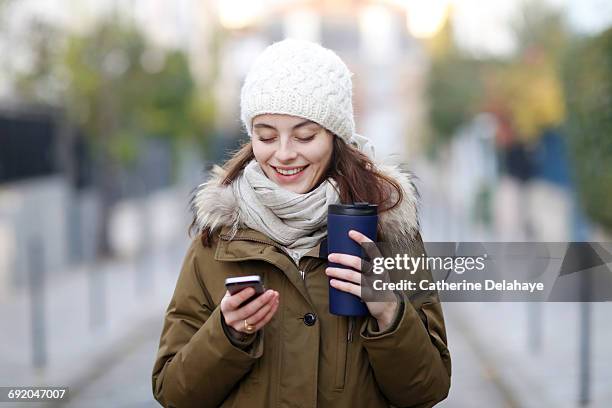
<point x="304" y="357"/>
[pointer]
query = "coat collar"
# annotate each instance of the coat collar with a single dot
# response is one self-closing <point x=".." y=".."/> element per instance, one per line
<point x="214" y="206"/>
<point x="258" y="239"/>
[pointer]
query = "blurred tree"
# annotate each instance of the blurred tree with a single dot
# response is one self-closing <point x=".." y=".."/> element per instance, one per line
<point x="30" y="72"/>
<point x="539" y="25"/>
<point x="531" y="92"/>
<point x="530" y="83"/>
<point x="39" y="81"/>
<point x="119" y="90"/>
<point x="4" y="11"/>
<point x="588" y="86"/>
<point x="454" y="92"/>
<point x="523" y="88"/>
<point x="122" y="90"/>
<point x="454" y="85"/>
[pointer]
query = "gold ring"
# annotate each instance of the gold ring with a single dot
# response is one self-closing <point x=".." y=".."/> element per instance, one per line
<point x="249" y="328"/>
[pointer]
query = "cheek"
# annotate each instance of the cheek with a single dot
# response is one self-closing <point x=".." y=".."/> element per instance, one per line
<point x="321" y="157"/>
<point x="320" y="154"/>
<point x="327" y="159"/>
<point x="261" y="151"/>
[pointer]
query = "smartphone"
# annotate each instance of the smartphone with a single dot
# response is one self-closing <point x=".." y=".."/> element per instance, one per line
<point x="235" y="285"/>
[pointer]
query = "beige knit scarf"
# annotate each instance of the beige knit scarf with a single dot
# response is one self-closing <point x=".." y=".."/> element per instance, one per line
<point x="296" y="221"/>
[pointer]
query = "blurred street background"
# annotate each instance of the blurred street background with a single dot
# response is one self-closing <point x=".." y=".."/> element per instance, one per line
<point x="111" y="112"/>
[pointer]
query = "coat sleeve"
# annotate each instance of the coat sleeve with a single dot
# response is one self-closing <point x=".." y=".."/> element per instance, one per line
<point x="415" y="346"/>
<point x="197" y="365"/>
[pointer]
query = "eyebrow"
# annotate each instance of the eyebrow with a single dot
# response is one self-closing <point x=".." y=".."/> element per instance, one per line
<point x="301" y="124"/>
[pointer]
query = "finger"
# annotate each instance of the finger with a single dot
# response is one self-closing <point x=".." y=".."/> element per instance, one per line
<point x="359" y="237"/>
<point x="346" y="287"/>
<point x="267" y="317"/>
<point x="224" y="300"/>
<point x="351" y="261"/>
<point x="263" y="312"/>
<point x="238" y="326"/>
<point x="236" y="299"/>
<point x="367" y="268"/>
<point x="366" y="243"/>
<point x="253" y="306"/>
<point x="345" y="274"/>
<point x="256" y="321"/>
<point x="238" y="321"/>
<point x="225" y="307"/>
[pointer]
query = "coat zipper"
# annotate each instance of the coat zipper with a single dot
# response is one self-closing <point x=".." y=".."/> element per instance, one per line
<point x="344" y="339"/>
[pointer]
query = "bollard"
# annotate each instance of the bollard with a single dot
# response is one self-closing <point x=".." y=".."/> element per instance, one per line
<point x="584" y="259"/>
<point x="534" y="327"/>
<point x="581" y="233"/>
<point x="586" y="286"/>
<point x="585" y="354"/>
<point x="143" y="263"/>
<point x="97" y="297"/>
<point x="36" y="288"/>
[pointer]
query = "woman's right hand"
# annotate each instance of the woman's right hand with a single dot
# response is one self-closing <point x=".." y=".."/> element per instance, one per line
<point x="257" y="312"/>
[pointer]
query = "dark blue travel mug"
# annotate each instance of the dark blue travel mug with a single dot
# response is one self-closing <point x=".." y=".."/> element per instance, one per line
<point x="341" y="218"/>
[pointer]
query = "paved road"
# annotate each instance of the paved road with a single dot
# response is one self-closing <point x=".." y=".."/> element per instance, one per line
<point x="127" y="383"/>
<point x="474" y="382"/>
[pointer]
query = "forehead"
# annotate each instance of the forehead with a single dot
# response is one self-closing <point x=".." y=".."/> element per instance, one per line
<point x="280" y="121"/>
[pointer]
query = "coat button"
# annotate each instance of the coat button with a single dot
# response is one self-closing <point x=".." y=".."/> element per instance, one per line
<point x="310" y="319"/>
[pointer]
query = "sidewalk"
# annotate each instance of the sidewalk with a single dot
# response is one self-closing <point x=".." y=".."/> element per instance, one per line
<point x="132" y="297"/>
<point x="531" y="351"/>
<point x="473" y="383"/>
<point x="544" y="376"/>
<point x="126" y="384"/>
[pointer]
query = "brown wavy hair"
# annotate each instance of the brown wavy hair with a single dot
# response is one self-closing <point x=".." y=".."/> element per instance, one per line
<point x="356" y="177"/>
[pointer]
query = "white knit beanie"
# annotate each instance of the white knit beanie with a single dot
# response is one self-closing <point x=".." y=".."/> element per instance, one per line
<point x="302" y="78"/>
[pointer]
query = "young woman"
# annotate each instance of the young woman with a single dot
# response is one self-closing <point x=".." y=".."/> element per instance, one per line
<point x="265" y="214"/>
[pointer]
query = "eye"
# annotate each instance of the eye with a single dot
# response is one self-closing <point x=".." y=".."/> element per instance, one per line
<point x="306" y="139"/>
<point x="266" y="139"/>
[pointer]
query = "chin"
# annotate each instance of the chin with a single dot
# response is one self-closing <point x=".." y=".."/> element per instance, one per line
<point x="296" y="189"/>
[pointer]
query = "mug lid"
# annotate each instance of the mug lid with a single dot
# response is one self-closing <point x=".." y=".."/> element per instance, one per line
<point x="358" y="208"/>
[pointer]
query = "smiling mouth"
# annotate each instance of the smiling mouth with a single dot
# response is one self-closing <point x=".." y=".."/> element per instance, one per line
<point x="289" y="172"/>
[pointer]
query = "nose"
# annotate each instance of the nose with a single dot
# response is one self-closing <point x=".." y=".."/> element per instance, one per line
<point x="285" y="152"/>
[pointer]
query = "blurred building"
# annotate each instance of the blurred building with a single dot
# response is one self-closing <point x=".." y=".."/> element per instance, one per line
<point x="371" y="37"/>
<point x="46" y="167"/>
<point x="35" y="172"/>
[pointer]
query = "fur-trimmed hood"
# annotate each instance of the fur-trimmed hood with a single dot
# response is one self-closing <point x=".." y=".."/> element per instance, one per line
<point x="214" y="206"/>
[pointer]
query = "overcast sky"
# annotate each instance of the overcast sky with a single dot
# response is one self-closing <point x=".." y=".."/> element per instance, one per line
<point x="481" y="26"/>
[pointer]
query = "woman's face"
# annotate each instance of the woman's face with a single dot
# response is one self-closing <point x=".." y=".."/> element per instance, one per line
<point x="293" y="152"/>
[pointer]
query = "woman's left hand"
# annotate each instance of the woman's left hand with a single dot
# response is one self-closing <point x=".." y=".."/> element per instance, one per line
<point x="383" y="312"/>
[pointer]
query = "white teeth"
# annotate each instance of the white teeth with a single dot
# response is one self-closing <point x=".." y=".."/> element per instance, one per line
<point x="289" y="172"/>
